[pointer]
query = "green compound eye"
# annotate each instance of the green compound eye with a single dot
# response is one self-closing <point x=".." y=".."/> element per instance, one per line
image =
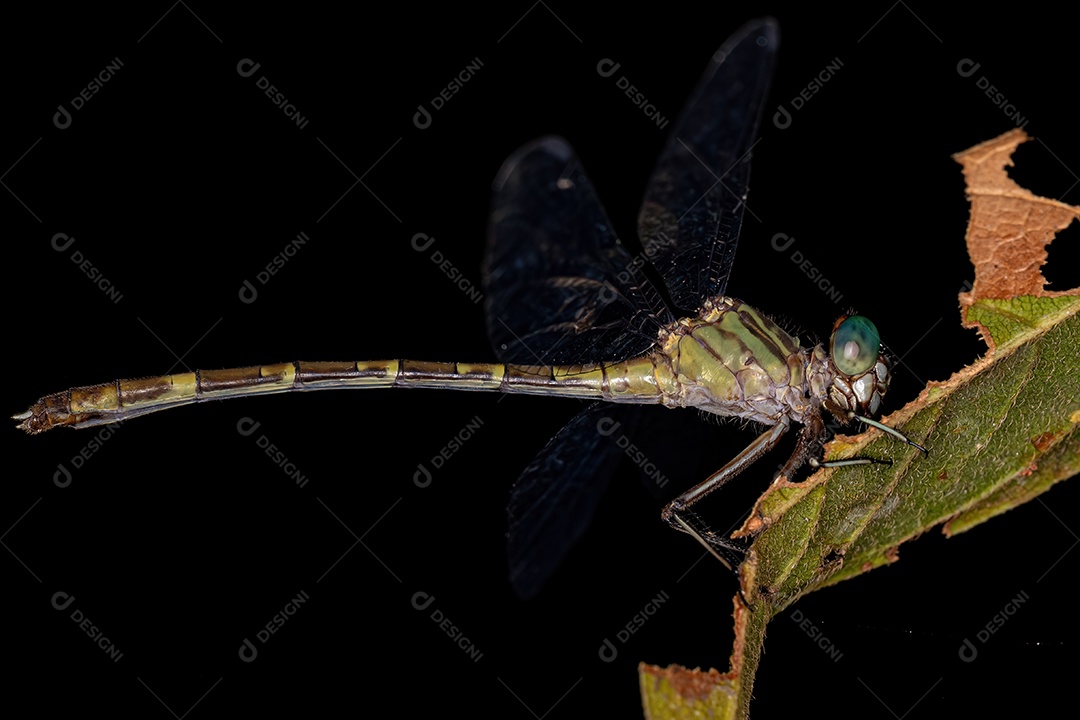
<point x="855" y="345"/>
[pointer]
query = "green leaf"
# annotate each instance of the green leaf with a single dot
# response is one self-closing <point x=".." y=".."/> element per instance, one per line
<point x="1015" y="319"/>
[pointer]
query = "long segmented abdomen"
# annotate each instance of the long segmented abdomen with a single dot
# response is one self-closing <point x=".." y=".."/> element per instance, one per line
<point x="646" y="380"/>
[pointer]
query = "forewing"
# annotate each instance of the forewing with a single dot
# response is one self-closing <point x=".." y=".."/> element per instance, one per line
<point x="560" y="286"/>
<point x="692" y="213"/>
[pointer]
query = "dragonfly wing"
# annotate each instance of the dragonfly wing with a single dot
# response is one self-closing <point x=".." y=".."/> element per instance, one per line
<point x="690" y="219"/>
<point x="553" y="501"/>
<point x="560" y="286"/>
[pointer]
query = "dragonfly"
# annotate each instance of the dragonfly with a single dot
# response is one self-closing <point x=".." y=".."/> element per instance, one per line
<point x="572" y="312"/>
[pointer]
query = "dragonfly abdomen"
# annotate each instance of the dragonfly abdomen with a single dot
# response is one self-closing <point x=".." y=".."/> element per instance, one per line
<point x="640" y="380"/>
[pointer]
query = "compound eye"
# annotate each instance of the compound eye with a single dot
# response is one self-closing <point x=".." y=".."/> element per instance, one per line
<point x="855" y="345"/>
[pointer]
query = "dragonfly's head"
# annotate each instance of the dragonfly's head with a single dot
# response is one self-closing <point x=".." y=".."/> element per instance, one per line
<point x="859" y="369"/>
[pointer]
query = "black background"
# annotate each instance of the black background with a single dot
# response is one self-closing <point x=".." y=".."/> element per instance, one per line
<point x="180" y="179"/>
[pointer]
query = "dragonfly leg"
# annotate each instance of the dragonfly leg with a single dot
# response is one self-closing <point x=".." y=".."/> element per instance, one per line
<point x="849" y="461"/>
<point x="840" y="413"/>
<point x="865" y="460"/>
<point x="764" y="442"/>
<point x="726" y="551"/>
<point x="677" y="513"/>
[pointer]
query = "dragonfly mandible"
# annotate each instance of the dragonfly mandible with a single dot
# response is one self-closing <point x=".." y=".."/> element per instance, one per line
<point x="572" y="312"/>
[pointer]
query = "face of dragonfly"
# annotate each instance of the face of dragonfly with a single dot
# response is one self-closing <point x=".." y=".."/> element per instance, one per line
<point x="860" y="371"/>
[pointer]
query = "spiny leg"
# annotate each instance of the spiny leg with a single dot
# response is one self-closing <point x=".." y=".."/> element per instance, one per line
<point x="762" y="444"/>
<point x="814" y="462"/>
<point x="677" y="513"/>
<point x="727" y="552"/>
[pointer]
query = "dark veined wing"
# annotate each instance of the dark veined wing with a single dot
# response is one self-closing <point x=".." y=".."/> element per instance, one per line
<point x="561" y="289"/>
<point x="554" y="499"/>
<point x="560" y="286"/>
<point x="692" y="212"/>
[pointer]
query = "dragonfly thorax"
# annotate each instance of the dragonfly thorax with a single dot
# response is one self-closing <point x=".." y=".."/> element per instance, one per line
<point x="733" y="361"/>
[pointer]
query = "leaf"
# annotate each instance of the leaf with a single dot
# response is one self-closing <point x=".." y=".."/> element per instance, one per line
<point x="1006" y="237"/>
<point x="1002" y="431"/>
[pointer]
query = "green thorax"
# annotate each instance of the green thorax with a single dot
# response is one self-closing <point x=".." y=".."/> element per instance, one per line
<point x="732" y="360"/>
